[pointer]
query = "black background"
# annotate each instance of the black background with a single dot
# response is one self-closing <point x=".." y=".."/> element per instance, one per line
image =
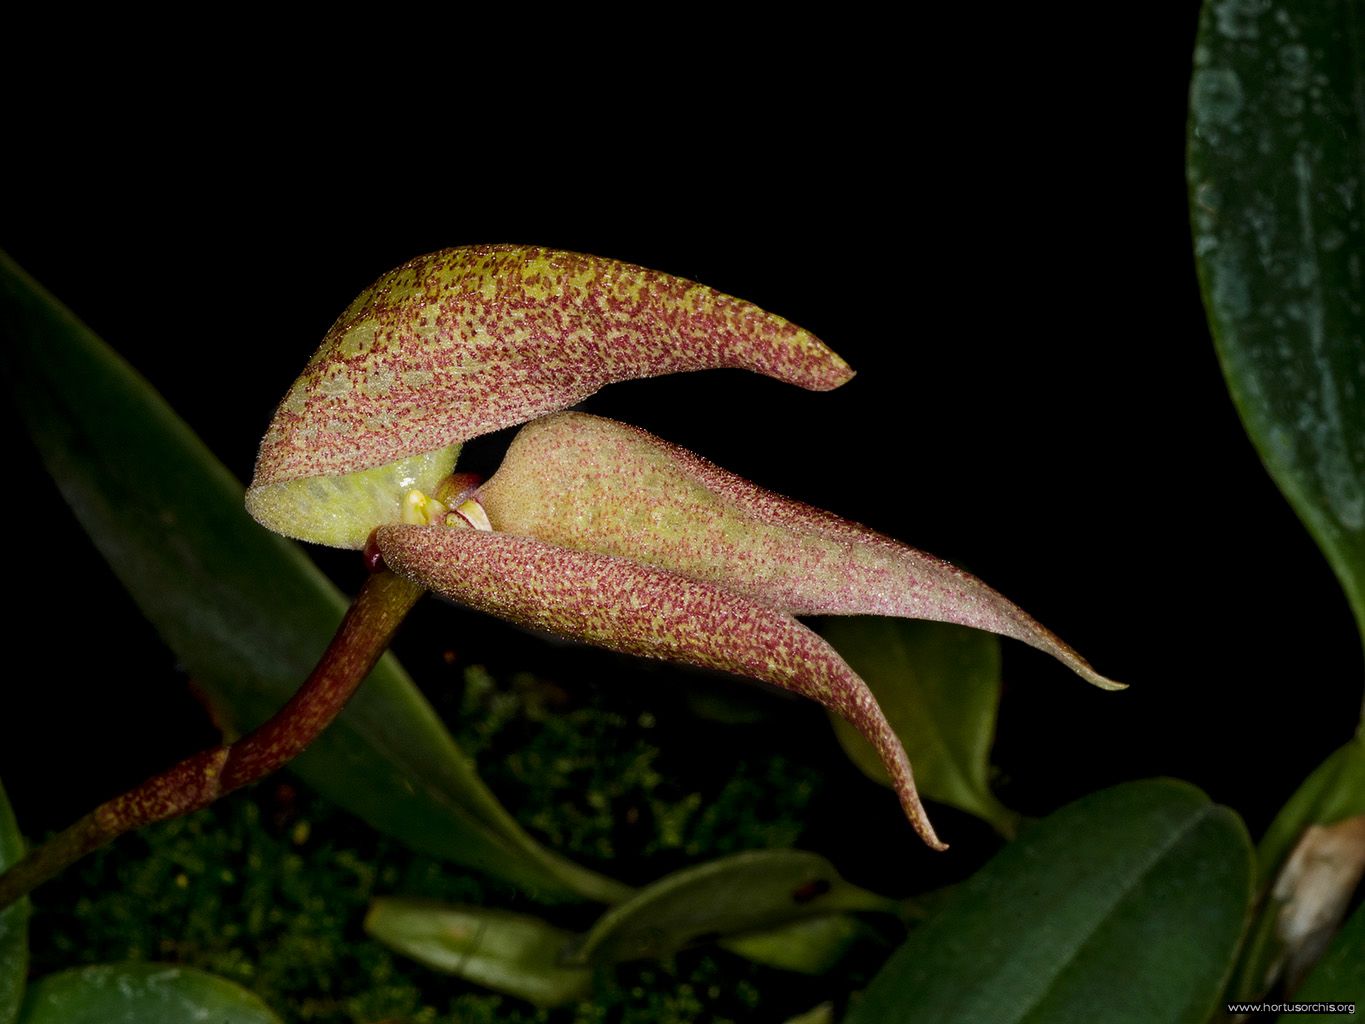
<point x="989" y="225"/>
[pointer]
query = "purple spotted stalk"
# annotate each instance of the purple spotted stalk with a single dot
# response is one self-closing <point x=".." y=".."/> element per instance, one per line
<point x="375" y="614"/>
<point x="591" y="530"/>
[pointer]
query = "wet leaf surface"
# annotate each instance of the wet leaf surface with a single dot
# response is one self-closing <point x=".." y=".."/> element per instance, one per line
<point x="1277" y="202"/>
<point x="141" y="994"/>
<point x="1131" y="899"/>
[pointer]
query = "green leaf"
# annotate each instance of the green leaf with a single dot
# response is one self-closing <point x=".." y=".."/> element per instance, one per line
<point x="1277" y="186"/>
<point x="810" y="946"/>
<point x="939" y="685"/>
<point x="1127" y="904"/>
<point x="141" y="994"/>
<point x="1340" y="975"/>
<point x="245" y="610"/>
<point x="822" y="1014"/>
<point x="750" y="891"/>
<point x="13" y="922"/>
<point x="511" y="953"/>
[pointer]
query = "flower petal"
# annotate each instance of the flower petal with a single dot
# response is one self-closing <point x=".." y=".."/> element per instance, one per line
<point x="591" y="483"/>
<point x="466" y="341"/>
<point x="647" y="611"/>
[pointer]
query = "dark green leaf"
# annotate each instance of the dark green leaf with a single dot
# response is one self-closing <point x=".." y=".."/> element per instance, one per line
<point x="940" y="687"/>
<point x="1124" y="907"/>
<point x="810" y="946"/>
<point x="751" y="891"/>
<point x="141" y="994"/>
<point x="1277" y="190"/>
<point x="244" y="609"/>
<point x="1340" y="974"/>
<point x="511" y="953"/>
<point x="822" y="1014"/>
<point x="13" y="922"/>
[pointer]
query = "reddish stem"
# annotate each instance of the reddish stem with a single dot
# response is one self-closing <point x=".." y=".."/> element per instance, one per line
<point x="199" y="780"/>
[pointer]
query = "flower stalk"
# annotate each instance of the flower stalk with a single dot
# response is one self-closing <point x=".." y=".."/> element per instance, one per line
<point x="370" y="623"/>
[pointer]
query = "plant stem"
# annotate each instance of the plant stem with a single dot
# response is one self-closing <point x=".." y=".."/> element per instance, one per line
<point x="197" y="781"/>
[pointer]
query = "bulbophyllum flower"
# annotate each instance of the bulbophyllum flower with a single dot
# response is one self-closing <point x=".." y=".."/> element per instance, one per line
<point x="593" y="530"/>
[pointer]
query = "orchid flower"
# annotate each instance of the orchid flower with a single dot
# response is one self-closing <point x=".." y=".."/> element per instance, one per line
<point x="593" y="530"/>
<point x="590" y="529"/>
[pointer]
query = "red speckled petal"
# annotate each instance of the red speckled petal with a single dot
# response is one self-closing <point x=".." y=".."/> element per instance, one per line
<point x="643" y="610"/>
<point x="466" y="341"/>
<point x="591" y="483"/>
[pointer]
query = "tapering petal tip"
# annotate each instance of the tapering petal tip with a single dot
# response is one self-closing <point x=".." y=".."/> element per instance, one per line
<point x="858" y="705"/>
<point x="835" y="374"/>
<point x="1103" y="682"/>
<point x="1035" y="635"/>
<point x="919" y="820"/>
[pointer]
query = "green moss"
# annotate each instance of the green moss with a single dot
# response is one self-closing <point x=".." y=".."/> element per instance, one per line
<point x="592" y="780"/>
<point x="269" y="887"/>
<point x="266" y="888"/>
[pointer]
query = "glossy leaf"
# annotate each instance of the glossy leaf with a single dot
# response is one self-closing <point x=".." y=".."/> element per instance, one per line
<point x="1128" y="904"/>
<point x="466" y="341"/>
<point x="752" y="891"/>
<point x="940" y="688"/>
<point x="591" y="483"/>
<point x="13" y="922"/>
<point x="141" y="994"/>
<point x="1340" y="974"/>
<point x="1277" y="189"/>
<point x="510" y="953"/>
<point x="244" y="610"/>
<point x="638" y="609"/>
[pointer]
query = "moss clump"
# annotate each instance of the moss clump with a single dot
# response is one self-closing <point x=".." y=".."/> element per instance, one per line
<point x="608" y="783"/>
